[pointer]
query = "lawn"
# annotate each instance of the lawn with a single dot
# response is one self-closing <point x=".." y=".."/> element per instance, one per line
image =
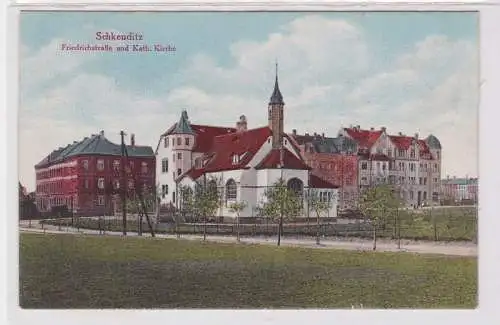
<point x="68" y="271"/>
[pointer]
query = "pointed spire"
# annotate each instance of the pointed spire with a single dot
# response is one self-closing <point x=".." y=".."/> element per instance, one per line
<point x="276" y="97"/>
<point x="183" y="126"/>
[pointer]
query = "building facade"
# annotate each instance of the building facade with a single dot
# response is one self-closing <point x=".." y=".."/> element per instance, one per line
<point x="458" y="190"/>
<point x="85" y="177"/>
<point x="410" y="164"/>
<point x="334" y="160"/>
<point x="243" y="162"/>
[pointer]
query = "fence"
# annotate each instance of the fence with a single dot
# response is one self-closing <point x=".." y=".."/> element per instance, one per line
<point x="452" y="224"/>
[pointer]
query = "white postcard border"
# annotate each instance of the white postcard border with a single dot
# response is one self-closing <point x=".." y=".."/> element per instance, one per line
<point x="489" y="182"/>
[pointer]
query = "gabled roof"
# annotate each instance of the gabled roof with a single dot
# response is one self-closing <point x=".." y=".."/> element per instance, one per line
<point x="96" y="144"/>
<point x="401" y="141"/>
<point x="424" y="150"/>
<point x="364" y="138"/>
<point x="274" y="160"/>
<point x="317" y="182"/>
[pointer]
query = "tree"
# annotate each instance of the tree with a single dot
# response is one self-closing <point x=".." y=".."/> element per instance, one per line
<point x="320" y="203"/>
<point x="141" y="202"/>
<point x="379" y="202"/>
<point x="205" y="200"/>
<point x="280" y="202"/>
<point x="237" y="207"/>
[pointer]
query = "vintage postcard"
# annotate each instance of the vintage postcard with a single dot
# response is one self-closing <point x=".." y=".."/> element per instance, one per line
<point x="280" y="160"/>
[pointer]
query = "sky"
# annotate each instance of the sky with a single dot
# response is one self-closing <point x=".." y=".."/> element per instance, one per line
<point x="413" y="72"/>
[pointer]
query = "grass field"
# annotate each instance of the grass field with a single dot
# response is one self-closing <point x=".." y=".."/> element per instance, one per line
<point x="68" y="271"/>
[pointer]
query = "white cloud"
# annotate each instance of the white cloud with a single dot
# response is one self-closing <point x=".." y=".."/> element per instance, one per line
<point x="324" y="77"/>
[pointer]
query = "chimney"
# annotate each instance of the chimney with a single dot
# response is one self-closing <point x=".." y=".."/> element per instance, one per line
<point x="383" y="129"/>
<point x="315" y="134"/>
<point x="416" y="136"/>
<point x="101" y="133"/>
<point x="323" y="135"/>
<point x="372" y="129"/>
<point x="400" y="133"/>
<point x="294" y="131"/>
<point x="306" y="134"/>
<point x="358" y="127"/>
<point x="241" y="125"/>
<point x="132" y="140"/>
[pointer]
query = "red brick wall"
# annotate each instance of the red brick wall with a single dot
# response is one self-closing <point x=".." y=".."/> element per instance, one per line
<point x="341" y="170"/>
<point x="53" y="191"/>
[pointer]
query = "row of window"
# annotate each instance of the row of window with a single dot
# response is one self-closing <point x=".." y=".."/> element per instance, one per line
<point x="100" y="165"/>
<point x="166" y="141"/>
<point x="58" y="172"/>
<point x="401" y="153"/>
<point x="400" y="180"/>
<point x="402" y="166"/>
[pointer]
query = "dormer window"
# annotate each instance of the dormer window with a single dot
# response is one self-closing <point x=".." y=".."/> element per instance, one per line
<point x="236" y="159"/>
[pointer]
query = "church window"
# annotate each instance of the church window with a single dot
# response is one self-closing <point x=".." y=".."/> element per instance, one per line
<point x="231" y="190"/>
<point x="236" y="159"/>
<point x="179" y="141"/>
<point x="187" y="141"/>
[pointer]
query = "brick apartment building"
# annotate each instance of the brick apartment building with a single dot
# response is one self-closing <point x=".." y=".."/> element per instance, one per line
<point x="357" y="159"/>
<point x="85" y="176"/>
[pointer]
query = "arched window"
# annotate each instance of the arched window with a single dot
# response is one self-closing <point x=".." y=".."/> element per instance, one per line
<point x="296" y="185"/>
<point x="231" y="190"/>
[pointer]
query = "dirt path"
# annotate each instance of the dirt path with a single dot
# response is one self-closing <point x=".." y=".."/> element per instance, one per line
<point x="443" y="248"/>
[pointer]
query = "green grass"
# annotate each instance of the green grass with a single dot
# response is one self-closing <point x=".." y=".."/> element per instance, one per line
<point x="68" y="271"/>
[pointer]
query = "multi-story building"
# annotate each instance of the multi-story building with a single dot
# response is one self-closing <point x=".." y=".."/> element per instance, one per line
<point x="410" y="164"/>
<point x="334" y="160"/>
<point x="456" y="190"/>
<point x="85" y="176"/>
<point x="245" y="162"/>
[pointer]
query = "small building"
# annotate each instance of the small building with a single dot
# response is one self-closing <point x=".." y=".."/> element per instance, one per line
<point x="245" y="162"/>
<point x="459" y="190"/>
<point x="84" y="176"/>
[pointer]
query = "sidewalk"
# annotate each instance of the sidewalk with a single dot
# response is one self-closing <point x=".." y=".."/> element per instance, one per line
<point x="454" y="249"/>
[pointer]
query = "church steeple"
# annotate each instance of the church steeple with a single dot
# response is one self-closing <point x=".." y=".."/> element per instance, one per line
<point x="275" y="114"/>
<point x="276" y="97"/>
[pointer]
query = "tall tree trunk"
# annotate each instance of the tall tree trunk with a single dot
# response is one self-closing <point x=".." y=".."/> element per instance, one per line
<point x="238" y="227"/>
<point x="317" y="229"/>
<point x="140" y="224"/>
<point x="374" y="237"/>
<point x="205" y="228"/>
<point x="279" y="229"/>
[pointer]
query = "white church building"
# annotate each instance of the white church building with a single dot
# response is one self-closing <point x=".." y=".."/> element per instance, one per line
<point x="244" y="161"/>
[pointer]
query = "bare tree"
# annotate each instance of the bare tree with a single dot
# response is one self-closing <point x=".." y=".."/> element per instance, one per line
<point x="281" y="202"/>
<point x="237" y="207"/>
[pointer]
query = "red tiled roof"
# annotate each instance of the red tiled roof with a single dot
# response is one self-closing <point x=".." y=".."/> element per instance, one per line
<point x="317" y="182"/>
<point x="223" y="147"/>
<point x="365" y="138"/>
<point x="273" y="160"/>
<point x="424" y="149"/>
<point x="401" y="141"/>
<point x="205" y="135"/>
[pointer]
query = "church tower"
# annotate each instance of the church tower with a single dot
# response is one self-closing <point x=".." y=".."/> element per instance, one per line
<point x="275" y="114"/>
